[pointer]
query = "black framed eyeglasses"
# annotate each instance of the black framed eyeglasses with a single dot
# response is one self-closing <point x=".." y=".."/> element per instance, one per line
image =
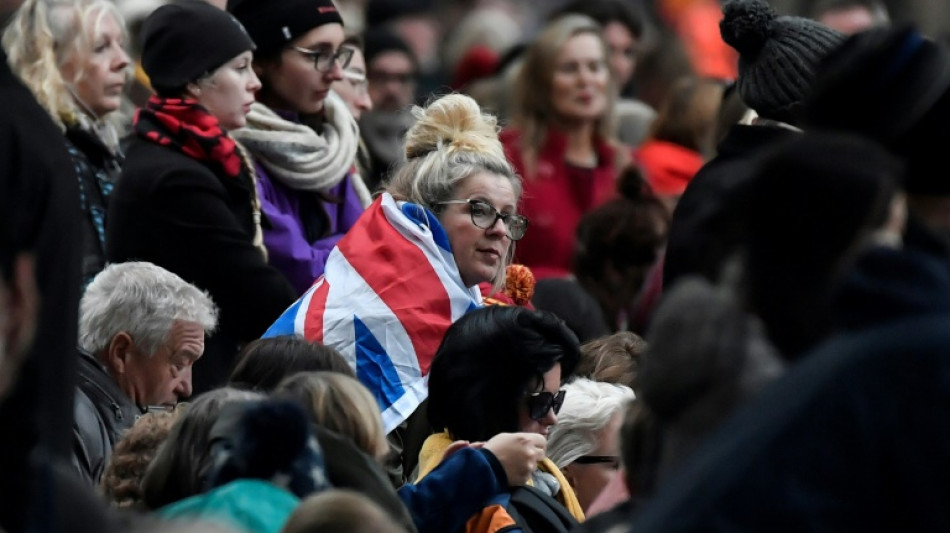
<point x="323" y="59"/>
<point x="539" y="403"/>
<point x="484" y="216"/>
<point x="611" y="460"/>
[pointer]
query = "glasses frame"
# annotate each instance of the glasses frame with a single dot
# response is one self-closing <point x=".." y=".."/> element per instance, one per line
<point x="505" y="217"/>
<point x="536" y="401"/>
<point x="599" y="459"/>
<point x="342" y="55"/>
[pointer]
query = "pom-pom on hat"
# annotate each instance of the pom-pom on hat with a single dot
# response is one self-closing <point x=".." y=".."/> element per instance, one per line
<point x="273" y="24"/>
<point x="183" y="40"/>
<point x="778" y="56"/>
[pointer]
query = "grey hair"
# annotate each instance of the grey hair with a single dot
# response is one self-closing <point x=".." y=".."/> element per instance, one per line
<point x="143" y="300"/>
<point x="451" y="140"/>
<point x="588" y="407"/>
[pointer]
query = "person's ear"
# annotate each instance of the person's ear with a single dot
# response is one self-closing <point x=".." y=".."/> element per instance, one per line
<point x="119" y="352"/>
<point x="568" y="473"/>
<point x="193" y="90"/>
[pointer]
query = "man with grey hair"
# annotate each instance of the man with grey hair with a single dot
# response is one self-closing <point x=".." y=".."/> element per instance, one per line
<point x="141" y="328"/>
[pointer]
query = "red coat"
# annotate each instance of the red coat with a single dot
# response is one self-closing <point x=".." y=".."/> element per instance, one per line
<point x="554" y="200"/>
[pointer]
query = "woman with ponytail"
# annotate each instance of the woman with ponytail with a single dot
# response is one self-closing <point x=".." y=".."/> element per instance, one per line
<point x="187" y="199"/>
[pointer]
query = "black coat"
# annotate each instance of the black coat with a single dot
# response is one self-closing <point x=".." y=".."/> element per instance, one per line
<point x="97" y="168"/>
<point x="39" y="211"/>
<point x="707" y="220"/>
<point x="854" y="437"/>
<point x="178" y="213"/>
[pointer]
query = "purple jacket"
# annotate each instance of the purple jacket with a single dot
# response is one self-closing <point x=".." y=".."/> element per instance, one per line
<point x="288" y="248"/>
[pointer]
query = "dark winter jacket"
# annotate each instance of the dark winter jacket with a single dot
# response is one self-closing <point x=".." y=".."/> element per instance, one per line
<point x="97" y="169"/>
<point x="706" y="222"/>
<point x="853" y="438"/>
<point x="176" y="212"/>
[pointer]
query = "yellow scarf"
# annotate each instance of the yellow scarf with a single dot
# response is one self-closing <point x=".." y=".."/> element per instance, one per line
<point x="434" y="448"/>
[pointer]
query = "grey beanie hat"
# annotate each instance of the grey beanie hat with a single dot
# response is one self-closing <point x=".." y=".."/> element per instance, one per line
<point x="778" y="56"/>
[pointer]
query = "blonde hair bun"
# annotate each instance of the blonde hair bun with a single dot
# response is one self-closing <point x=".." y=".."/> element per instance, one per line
<point x="453" y="122"/>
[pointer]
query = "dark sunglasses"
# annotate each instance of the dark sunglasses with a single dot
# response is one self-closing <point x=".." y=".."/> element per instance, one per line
<point x="612" y="460"/>
<point x="539" y="403"/>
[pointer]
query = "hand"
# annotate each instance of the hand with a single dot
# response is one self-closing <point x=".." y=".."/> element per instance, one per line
<point x="518" y="453"/>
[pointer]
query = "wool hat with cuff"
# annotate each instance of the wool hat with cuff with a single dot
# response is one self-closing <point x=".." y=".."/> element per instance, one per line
<point x="273" y="24"/>
<point x="186" y="39"/>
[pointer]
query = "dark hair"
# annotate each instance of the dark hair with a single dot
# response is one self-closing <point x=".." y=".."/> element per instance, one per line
<point x="263" y="363"/>
<point x="487" y="361"/>
<point x="607" y="11"/>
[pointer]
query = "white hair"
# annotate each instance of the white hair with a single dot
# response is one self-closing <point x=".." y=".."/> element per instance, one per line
<point x="143" y="300"/>
<point x="588" y="408"/>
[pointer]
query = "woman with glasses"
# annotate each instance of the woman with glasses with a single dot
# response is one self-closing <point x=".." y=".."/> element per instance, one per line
<point x="446" y="222"/>
<point x="500" y="369"/>
<point x="186" y="199"/>
<point x="300" y="134"/>
<point x="585" y="443"/>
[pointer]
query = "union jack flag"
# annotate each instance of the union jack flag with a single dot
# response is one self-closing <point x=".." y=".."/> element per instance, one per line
<point x="390" y="289"/>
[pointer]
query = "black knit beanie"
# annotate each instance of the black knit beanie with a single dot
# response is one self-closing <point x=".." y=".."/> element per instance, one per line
<point x="893" y="85"/>
<point x="778" y="56"/>
<point x="185" y="39"/>
<point x="275" y="23"/>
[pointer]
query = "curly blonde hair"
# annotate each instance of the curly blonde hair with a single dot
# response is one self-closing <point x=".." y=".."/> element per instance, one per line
<point x="451" y="140"/>
<point x="43" y="35"/>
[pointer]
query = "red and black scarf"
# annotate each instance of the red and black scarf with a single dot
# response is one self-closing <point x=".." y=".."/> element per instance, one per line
<point x="187" y="126"/>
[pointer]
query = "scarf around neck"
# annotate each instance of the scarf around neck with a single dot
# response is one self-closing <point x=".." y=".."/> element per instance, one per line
<point x="185" y="125"/>
<point x="299" y="156"/>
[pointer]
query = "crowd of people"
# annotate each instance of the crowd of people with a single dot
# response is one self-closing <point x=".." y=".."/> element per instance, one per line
<point x="301" y="266"/>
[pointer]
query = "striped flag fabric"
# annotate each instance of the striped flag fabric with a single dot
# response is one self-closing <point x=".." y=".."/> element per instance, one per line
<point x="389" y="291"/>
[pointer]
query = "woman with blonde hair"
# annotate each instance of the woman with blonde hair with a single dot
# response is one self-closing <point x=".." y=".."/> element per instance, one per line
<point x="72" y="56"/>
<point x="341" y="404"/>
<point x="446" y="222"/>
<point x="561" y="139"/>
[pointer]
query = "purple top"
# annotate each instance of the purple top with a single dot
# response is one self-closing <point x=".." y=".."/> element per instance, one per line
<point x="288" y="249"/>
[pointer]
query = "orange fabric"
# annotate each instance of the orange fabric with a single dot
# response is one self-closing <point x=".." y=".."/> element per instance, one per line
<point x="697" y="24"/>
<point x="667" y="167"/>
<point x="489" y="519"/>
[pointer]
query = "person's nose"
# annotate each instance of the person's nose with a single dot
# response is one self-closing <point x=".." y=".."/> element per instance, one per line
<point x="122" y="59"/>
<point x="336" y="71"/>
<point x="498" y="228"/>
<point x="183" y="389"/>
<point x="254" y="84"/>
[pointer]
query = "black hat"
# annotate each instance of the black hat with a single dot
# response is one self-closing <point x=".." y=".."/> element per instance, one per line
<point x="185" y="39"/>
<point x="893" y="85"/>
<point x="778" y="56"/>
<point x="274" y="23"/>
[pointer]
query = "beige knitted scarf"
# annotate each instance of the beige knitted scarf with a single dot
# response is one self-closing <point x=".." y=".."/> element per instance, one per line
<point x="300" y="157"/>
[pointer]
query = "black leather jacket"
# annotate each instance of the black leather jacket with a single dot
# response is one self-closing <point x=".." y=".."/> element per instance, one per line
<point x="102" y="413"/>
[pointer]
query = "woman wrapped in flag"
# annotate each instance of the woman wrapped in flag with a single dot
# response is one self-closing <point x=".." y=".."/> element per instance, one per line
<point x="411" y="265"/>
